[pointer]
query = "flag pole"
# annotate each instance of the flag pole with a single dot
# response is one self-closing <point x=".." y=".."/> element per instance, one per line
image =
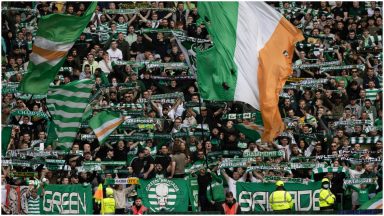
<point x="204" y="149"/>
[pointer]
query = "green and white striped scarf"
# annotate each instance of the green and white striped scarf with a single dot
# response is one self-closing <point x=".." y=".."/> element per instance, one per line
<point x="364" y="140"/>
<point x="329" y="169"/>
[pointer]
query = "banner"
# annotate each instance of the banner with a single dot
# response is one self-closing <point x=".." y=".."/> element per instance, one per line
<point x="359" y="181"/>
<point x="66" y="199"/>
<point x="254" y="197"/>
<point x="122" y="181"/>
<point x="240" y="116"/>
<point x="234" y="162"/>
<point x="29" y="113"/>
<point x="134" y="11"/>
<point x="305" y="66"/>
<point x="16" y="199"/>
<point x="264" y="154"/>
<point x="360" y="67"/>
<point x="193" y="193"/>
<point x="285" y="179"/>
<point x="164" y="195"/>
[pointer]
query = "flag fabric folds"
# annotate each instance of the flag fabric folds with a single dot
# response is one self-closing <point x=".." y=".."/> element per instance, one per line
<point x="251" y="57"/>
<point x="104" y="123"/>
<point x="98" y="194"/>
<point x="375" y="203"/>
<point x="251" y="129"/>
<point x="66" y="104"/>
<point x="5" y="138"/>
<point x="56" y="35"/>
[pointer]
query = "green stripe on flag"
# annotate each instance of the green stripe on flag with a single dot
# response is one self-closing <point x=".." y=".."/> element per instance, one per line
<point x="216" y="68"/>
<point x="5" y="138"/>
<point x="64" y="28"/>
<point x="37" y="80"/>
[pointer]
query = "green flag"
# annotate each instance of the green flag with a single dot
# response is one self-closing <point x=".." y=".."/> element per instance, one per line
<point x="66" y="199"/>
<point x="160" y="194"/>
<point x="104" y="123"/>
<point x="51" y="133"/>
<point x="67" y="104"/>
<point x="56" y="35"/>
<point x="375" y="203"/>
<point x="5" y="138"/>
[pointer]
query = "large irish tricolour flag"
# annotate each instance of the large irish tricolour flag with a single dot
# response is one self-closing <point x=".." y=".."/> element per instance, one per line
<point x="250" y="59"/>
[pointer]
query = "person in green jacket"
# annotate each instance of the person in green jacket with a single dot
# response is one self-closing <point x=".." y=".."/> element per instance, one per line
<point x="215" y="191"/>
<point x="363" y="193"/>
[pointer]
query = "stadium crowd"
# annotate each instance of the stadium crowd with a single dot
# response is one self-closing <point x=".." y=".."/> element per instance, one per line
<point x="331" y="106"/>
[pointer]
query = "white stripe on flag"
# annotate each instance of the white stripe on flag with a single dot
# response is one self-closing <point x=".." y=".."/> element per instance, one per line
<point x="106" y="124"/>
<point x="74" y="124"/>
<point x="66" y="92"/>
<point x="104" y="135"/>
<point x="51" y="45"/>
<point x="249" y="42"/>
<point x="67" y="114"/>
<point x="66" y="103"/>
<point x="376" y="204"/>
<point x="66" y="134"/>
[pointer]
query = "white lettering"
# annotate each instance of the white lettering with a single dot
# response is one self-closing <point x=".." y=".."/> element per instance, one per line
<point x="49" y="201"/>
<point x="315" y="199"/>
<point x="56" y="202"/>
<point x="308" y="195"/>
<point x="245" y="201"/>
<point x="74" y="202"/>
<point x="65" y="203"/>
<point x="82" y="204"/>
<point x="261" y="202"/>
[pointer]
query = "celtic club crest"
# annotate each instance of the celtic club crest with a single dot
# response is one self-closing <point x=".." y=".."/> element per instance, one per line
<point x="162" y="195"/>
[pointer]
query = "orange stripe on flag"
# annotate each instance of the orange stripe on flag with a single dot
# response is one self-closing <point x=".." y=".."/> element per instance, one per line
<point x="99" y="193"/>
<point x="275" y="61"/>
<point x="48" y="54"/>
<point x="109" y="127"/>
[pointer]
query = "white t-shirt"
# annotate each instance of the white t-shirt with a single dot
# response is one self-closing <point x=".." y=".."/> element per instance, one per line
<point x="115" y="54"/>
<point x="106" y="68"/>
<point x="232" y="185"/>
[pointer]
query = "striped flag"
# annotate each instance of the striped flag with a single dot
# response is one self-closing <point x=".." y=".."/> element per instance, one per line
<point x="251" y="57"/>
<point x="375" y="203"/>
<point x="67" y="104"/>
<point x="56" y="35"/>
<point x="104" y="123"/>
